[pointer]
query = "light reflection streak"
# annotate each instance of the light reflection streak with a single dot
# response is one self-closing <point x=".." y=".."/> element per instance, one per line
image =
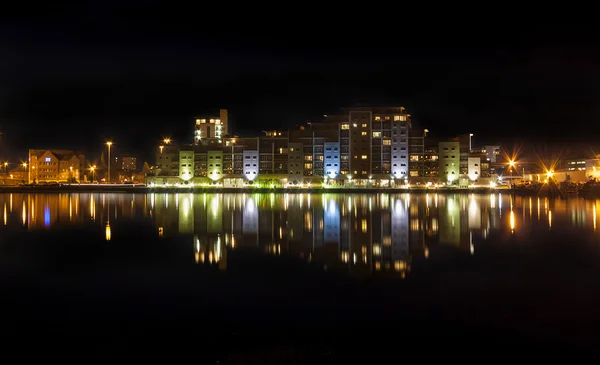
<point x="24" y="215"/>
<point x="512" y="221"/>
<point x="465" y="219"/>
<point x="593" y="215"/>
<point x="5" y="215"/>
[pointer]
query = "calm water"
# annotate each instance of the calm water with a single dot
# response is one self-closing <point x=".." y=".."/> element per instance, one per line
<point x="480" y="265"/>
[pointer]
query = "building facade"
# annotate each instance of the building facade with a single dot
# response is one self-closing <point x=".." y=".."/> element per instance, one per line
<point x="449" y="162"/>
<point x="55" y="166"/>
<point x="211" y="127"/>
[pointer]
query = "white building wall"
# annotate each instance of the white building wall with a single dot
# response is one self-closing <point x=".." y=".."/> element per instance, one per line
<point x="251" y="166"/>
<point x="400" y="148"/>
<point x="474" y="169"/>
<point x="331" y="159"/>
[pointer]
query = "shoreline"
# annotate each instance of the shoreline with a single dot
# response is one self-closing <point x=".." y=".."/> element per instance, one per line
<point x="128" y="189"/>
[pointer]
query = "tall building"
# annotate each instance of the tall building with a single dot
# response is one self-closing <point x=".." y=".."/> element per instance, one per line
<point x="212" y="127"/>
<point x="126" y="163"/>
<point x="373" y="142"/>
<point x="312" y="137"/>
<point x="449" y="162"/>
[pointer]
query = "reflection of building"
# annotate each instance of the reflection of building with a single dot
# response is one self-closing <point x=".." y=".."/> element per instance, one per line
<point x="361" y="234"/>
<point x="450" y="222"/>
<point x="250" y="217"/>
<point x="331" y="229"/>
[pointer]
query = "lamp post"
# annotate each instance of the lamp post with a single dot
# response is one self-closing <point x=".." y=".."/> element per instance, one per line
<point x="109" y="143"/>
<point x="6" y="167"/>
<point x="25" y="170"/>
<point x="425" y="131"/>
<point x="93" y="168"/>
<point x="470" y="138"/>
<point x="511" y="164"/>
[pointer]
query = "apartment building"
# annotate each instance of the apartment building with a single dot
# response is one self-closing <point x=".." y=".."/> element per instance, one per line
<point x="211" y="127"/>
<point x="449" y="162"/>
<point x="375" y="146"/>
<point x="55" y="166"/>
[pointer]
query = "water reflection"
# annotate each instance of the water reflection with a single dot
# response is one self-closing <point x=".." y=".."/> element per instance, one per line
<point x="363" y="234"/>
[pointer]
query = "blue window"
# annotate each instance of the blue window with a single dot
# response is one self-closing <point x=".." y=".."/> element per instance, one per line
<point x="47" y="159"/>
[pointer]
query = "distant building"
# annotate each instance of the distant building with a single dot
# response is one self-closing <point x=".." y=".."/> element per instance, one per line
<point x="55" y="166"/>
<point x="211" y="127"/>
<point x="126" y="163"/>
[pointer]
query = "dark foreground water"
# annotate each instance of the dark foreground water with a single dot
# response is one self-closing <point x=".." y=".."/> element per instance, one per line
<point x="269" y="278"/>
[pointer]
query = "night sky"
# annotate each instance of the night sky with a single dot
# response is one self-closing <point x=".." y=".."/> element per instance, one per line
<point x="74" y="77"/>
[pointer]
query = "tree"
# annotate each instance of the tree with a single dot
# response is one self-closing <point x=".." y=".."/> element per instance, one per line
<point x="146" y="169"/>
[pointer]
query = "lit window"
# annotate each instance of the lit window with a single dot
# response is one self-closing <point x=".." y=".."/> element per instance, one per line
<point x="377" y="117"/>
<point x="364" y="125"/>
<point x="401" y="118"/>
<point x="364" y="133"/>
<point x="364" y="157"/>
<point x="345" y="126"/>
<point x="47" y="159"/>
<point x="376" y="134"/>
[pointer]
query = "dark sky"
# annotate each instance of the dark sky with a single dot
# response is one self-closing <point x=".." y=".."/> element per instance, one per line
<point x="136" y="71"/>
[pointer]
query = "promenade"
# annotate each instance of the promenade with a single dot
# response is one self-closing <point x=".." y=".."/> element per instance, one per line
<point x="143" y="189"/>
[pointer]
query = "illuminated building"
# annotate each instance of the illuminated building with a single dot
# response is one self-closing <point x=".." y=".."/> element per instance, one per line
<point x="250" y="161"/>
<point x="126" y="163"/>
<point x="273" y="149"/>
<point x="55" y="166"/>
<point x="295" y="163"/>
<point x="186" y="164"/>
<point x="449" y="162"/>
<point x="212" y="128"/>
<point x="331" y="160"/>
<point x="215" y="165"/>
<point x="474" y="169"/>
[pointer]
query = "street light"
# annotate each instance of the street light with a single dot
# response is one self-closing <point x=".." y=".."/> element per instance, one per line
<point x="167" y="140"/>
<point x="25" y="170"/>
<point x="6" y="167"/>
<point x="161" y="149"/>
<point x="93" y="168"/>
<point x="511" y="164"/>
<point x="109" y="143"/>
<point x="470" y="137"/>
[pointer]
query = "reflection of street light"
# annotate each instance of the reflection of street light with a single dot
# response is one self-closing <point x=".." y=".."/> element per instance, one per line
<point x="109" y="143"/>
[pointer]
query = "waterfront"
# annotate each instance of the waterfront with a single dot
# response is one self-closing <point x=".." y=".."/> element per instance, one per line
<point x="519" y="270"/>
